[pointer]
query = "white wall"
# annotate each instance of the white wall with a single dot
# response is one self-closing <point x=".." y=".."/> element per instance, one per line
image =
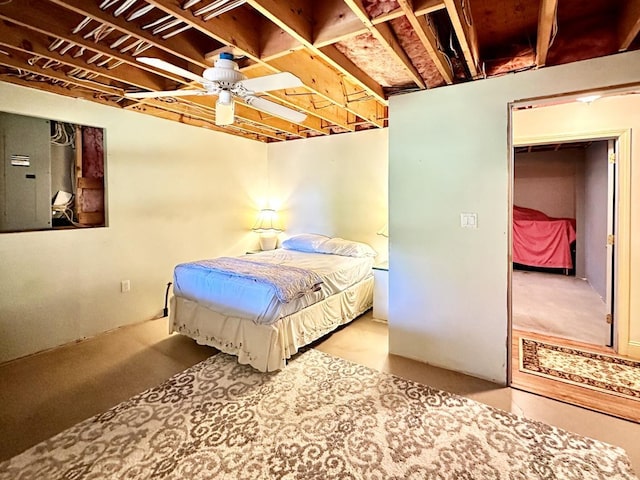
<point x="174" y="193"/>
<point x="449" y="154"/>
<point x="334" y="185"/>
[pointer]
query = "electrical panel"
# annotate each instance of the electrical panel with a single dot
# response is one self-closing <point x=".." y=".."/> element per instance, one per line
<point x="25" y="173"/>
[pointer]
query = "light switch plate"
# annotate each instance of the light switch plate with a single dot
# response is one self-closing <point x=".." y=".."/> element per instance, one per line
<point x="469" y="220"/>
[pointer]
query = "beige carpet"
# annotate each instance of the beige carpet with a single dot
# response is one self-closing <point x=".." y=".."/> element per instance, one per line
<point x="320" y="418"/>
<point x="597" y="371"/>
<point x="559" y="306"/>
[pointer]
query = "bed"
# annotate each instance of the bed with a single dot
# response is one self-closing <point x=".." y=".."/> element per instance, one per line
<point x="542" y="241"/>
<point x="254" y="320"/>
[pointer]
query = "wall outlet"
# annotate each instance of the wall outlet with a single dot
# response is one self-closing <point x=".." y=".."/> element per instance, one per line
<point x="125" y="286"/>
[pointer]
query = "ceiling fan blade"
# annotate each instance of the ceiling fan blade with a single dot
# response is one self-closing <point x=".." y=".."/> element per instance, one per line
<point x="168" y="67"/>
<point x="276" y="109"/>
<point x="165" y="93"/>
<point x="277" y="81"/>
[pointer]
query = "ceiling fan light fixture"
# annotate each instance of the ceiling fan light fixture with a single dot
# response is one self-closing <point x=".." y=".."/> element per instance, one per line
<point x="225" y="111"/>
<point x="224" y="98"/>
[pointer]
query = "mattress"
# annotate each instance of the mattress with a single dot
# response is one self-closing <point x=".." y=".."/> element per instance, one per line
<point x="240" y="298"/>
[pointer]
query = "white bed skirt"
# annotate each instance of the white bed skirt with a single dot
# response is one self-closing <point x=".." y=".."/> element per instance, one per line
<point x="267" y="347"/>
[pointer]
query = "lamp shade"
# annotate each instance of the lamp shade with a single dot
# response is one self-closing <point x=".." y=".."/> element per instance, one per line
<point x="267" y="221"/>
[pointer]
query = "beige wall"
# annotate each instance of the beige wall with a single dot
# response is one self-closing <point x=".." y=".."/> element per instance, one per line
<point x="449" y="154"/>
<point x="606" y="114"/>
<point x="334" y="185"/>
<point x="175" y="193"/>
<point x="546" y="181"/>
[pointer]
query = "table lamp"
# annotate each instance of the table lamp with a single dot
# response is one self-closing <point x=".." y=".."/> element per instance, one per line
<point x="268" y="228"/>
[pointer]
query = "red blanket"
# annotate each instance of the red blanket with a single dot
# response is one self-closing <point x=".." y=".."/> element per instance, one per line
<point x="542" y="241"/>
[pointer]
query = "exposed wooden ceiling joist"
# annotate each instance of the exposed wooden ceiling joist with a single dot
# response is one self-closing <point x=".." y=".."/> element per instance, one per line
<point x="349" y="54"/>
<point x="384" y="34"/>
<point x="298" y="23"/>
<point x="428" y="39"/>
<point x="37" y="44"/>
<point x="546" y="20"/>
<point x="178" y="45"/>
<point x="462" y="21"/>
<point x="629" y="23"/>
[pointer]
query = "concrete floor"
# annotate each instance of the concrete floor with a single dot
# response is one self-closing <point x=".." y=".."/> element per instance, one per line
<point x="45" y="393"/>
<point x="559" y="306"/>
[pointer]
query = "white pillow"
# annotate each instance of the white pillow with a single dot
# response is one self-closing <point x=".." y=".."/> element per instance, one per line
<point x="305" y="242"/>
<point x="346" y="248"/>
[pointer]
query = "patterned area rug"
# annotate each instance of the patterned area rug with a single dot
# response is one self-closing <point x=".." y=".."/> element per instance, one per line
<point x="597" y="371"/>
<point x="320" y="418"/>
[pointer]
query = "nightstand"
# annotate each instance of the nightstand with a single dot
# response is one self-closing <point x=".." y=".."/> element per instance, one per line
<point x="381" y="291"/>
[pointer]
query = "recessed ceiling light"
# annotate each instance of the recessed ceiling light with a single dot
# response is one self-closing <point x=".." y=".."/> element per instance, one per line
<point x="588" y="98"/>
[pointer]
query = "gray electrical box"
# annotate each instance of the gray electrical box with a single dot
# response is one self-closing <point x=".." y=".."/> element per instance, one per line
<point x="25" y="173"/>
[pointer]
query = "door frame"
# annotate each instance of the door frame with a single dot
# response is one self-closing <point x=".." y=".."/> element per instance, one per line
<point x="622" y="256"/>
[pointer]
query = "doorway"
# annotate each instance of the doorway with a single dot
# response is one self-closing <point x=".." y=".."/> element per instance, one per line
<point x="594" y="253"/>
<point x="563" y="211"/>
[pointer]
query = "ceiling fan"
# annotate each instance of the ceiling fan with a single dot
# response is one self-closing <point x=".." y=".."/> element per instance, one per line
<point x="225" y="80"/>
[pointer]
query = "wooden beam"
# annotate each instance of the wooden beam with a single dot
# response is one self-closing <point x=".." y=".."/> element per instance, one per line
<point x="58" y="89"/>
<point x="428" y="39"/>
<point x="629" y="25"/>
<point x="247" y="113"/>
<point x="35" y="43"/>
<point x="546" y="19"/>
<point x="306" y="69"/>
<point x="184" y="108"/>
<point x="19" y="61"/>
<point x="293" y="16"/>
<point x="229" y="29"/>
<point x="460" y="15"/>
<point x="176" y="45"/>
<point x="297" y="22"/>
<point x="334" y="22"/>
<point x="323" y="80"/>
<point x="49" y="19"/>
<point x="383" y="33"/>
<point x="189" y="119"/>
<point x="341" y="23"/>
<point x="425" y="7"/>
<point x="342" y="64"/>
<point x="306" y="101"/>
